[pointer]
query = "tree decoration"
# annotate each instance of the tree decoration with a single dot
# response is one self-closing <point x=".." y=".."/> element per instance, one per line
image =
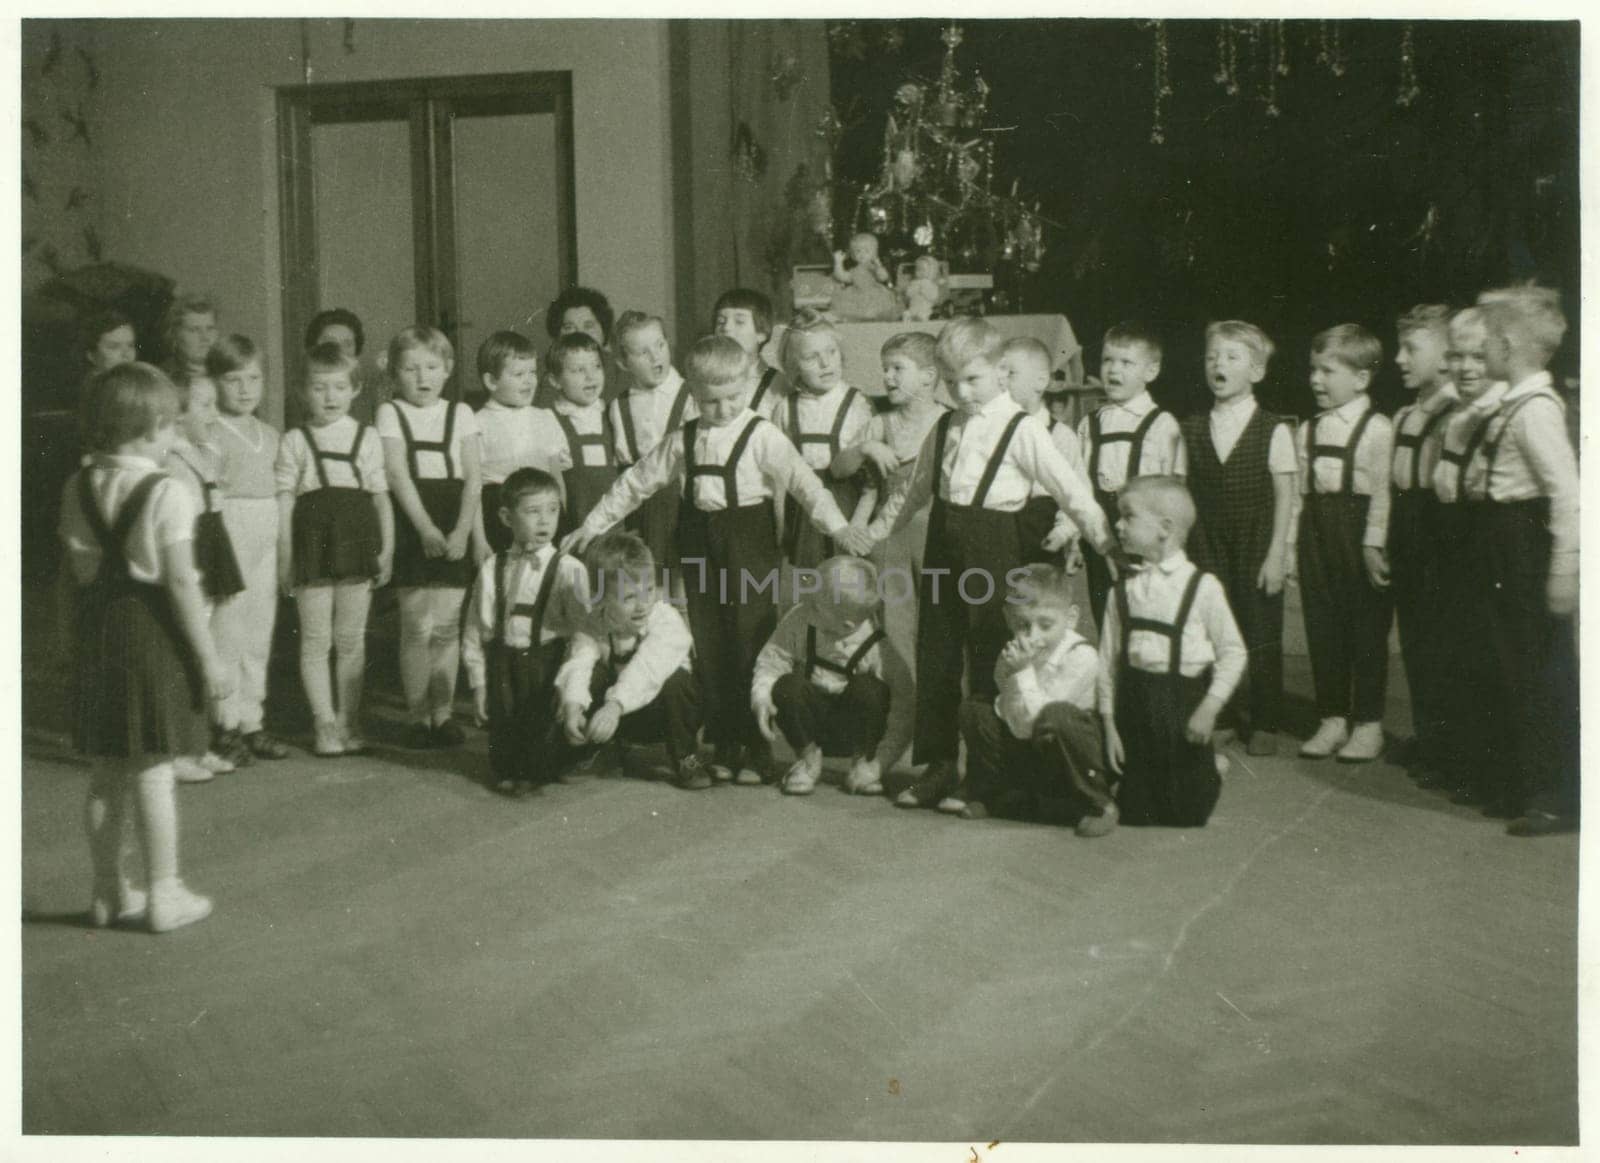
<point x="1162" y="84"/>
<point x="1410" y="90"/>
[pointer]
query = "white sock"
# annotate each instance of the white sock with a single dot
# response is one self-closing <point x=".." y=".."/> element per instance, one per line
<point x="158" y="822"/>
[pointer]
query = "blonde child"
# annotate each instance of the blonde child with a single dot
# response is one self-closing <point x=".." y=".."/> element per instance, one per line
<point x="1046" y="533"/>
<point x="431" y="457"/>
<point x="189" y="329"/>
<point x="1128" y="436"/>
<point x="145" y="663"/>
<point x="655" y="405"/>
<point x="243" y="624"/>
<point x="508" y="369"/>
<point x="1345" y="452"/>
<point x="1243" y="474"/>
<point x="1170" y="659"/>
<point x="1039" y="737"/>
<point x="1413" y="554"/>
<point x="525" y="603"/>
<point x="335" y="543"/>
<point x="822" y="416"/>
<point x="826" y="677"/>
<point x="628" y="673"/>
<point x="727" y="467"/>
<point x="195" y="462"/>
<point x="978" y="467"/>
<point x="576" y="428"/>
<point x="745" y="316"/>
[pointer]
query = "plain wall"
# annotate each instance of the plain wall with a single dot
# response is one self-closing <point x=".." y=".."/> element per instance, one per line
<point x="187" y="142"/>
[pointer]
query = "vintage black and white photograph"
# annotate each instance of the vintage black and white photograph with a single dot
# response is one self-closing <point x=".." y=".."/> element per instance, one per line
<point x="934" y="579"/>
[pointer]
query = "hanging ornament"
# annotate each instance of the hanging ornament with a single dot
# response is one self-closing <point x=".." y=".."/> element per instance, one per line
<point x="894" y="39"/>
<point x="846" y="38"/>
<point x="1330" y="51"/>
<point x="1410" y="90"/>
<point x="1163" y="87"/>
<point x="1275" y="67"/>
<point x="787" y="75"/>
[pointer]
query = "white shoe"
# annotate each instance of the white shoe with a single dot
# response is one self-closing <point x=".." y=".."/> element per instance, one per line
<point x="172" y="906"/>
<point x="865" y="777"/>
<point x="1365" y="745"/>
<point x="215" y="764"/>
<point x="801" y="779"/>
<point x="1332" y="735"/>
<point x="187" y="769"/>
<point x="118" y="904"/>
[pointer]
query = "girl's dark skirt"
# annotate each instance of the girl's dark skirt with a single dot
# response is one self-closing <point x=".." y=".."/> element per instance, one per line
<point x="137" y="688"/>
<point x="336" y="536"/>
<point x="214" y="558"/>
<point x="442" y="501"/>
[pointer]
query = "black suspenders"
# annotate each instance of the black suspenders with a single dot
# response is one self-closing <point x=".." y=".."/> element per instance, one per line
<point x="832" y="437"/>
<point x="1135" y="437"/>
<point x="848" y="670"/>
<point x="414" y="446"/>
<point x="1172" y="631"/>
<point x="761" y="389"/>
<point x="577" y="441"/>
<point x="318" y="456"/>
<point x="208" y="488"/>
<point x="113" y="538"/>
<point x="990" y="471"/>
<point x="630" y="436"/>
<point x="729" y="472"/>
<point x="1345" y="452"/>
<point x="1414" y="441"/>
<point x="1491" y="446"/>
<point x="532" y="610"/>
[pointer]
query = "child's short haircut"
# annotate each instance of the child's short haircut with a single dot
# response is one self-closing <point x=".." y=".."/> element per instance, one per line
<point x="966" y="340"/>
<point x="328" y="357"/>
<point x="808" y="322"/>
<point x="1433" y="317"/>
<point x="126" y="402"/>
<point x="571" y="343"/>
<point x="500" y="349"/>
<point x="572" y="297"/>
<point x="851" y="584"/>
<point x="230" y="353"/>
<point x="1134" y="332"/>
<point x="335" y="317"/>
<point x="1529" y="315"/>
<point x="630" y="322"/>
<point x="1467" y="319"/>
<point x="190" y="304"/>
<point x="621" y="557"/>
<point x="715" y="360"/>
<point x="420" y="335"/>
<point x="1030" y="349"/>
<point x="1168" y="497"/>
<point x="1237" y="330"/>
<point x="98" y="325"/>
<point x="919" y="347"/>
<point x="1352" y="345"/>
<point x="527" y="482"/>
<point x="744" y="299"/>
<point x="1046" y="585"/>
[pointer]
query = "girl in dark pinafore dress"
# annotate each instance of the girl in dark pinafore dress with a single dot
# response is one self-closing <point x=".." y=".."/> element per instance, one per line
<point x="335" y="542"/>
<point x="431" y="454"/>
<point x="145" y="664"/>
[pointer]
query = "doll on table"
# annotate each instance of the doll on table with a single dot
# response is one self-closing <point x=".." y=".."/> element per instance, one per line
<point x="925" y="291"/>
<point x="863" y="293"/>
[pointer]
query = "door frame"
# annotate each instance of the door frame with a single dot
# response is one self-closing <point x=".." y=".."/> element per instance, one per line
<point x="430" y="105"/>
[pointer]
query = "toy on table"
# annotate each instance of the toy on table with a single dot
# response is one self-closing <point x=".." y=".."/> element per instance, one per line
<point x="924" y="292"/>
<point x="863" y="293"/>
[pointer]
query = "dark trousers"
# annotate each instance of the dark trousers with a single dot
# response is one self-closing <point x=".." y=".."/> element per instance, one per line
<point x="1166" y="779"/>
<point x="1537" y="657"/>
<point x="1062" y="757"/>
<point x="1347" y="618"/>
<point x="1236" y="557"/>
<point x="1428" y="642"/>
<point x="1096" y="568"/>
<point x="1034" y="523"/>
<point x="851" y="722"/>
<point x="673" y="716"/>
<point x="522" y="720"/>
<point x="729" y="619"/>
<point x="1471" y="700"/>
<point x="952" y="631"/>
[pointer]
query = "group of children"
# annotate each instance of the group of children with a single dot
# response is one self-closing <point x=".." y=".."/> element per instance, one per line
<point x="829" y="560"/>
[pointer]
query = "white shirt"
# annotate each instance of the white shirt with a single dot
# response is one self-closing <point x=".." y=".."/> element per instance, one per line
<point x="1162" y="452"/>
<point x="652" y="657"/>
<point x="817" y="415"/>
<point x="194" y="466"/>
<point x="1534" y="458"/>
<point x="586" y="421"/>
<point x="785" y="653"/>
<point x="1229" y="419"/>
<point x="427" y="424"/>
<point x="769" y="467"/>
<point x="1031" y="455"/>
<point x="512" y="438"/>
<point x="249" y="450"/>
<point x="1412" y="466"/>
<point x="1334" y="428"/>
<point x="1065" y="674"/>
<point x="1450" y="476"/>
<point x="168" y="517"/>
<point x="650" y="409"/>
<point x="1210" y="637"/>
<point x="296" y="469"/>
<point x="565" y="610"/>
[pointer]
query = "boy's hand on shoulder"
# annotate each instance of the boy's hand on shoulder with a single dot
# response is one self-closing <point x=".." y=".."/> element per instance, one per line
<point x="1561" y="595"/>
<point x="767" y="720"/>
<point x="1116" y="756"/>
<point x="1377" y="563"/>
<point x="603" y="723"/>
<point x="1203" y="722"/>
<point x="1270" y="579"/>
<point x="576" y="541"/>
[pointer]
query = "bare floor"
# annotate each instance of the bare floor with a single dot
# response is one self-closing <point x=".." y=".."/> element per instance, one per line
<point x="396" y="951"/>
